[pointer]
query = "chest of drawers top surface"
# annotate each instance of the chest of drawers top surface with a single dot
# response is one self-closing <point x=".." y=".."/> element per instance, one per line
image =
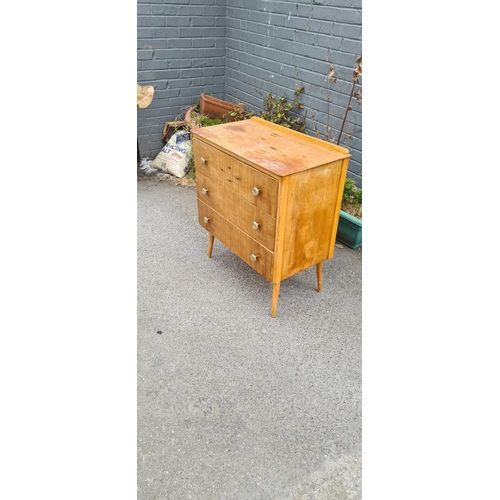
<point x="263" y="144"/>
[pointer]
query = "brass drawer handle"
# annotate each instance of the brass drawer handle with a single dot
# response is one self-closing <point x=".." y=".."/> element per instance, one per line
<point x="204" y="191"/>
<point x="203" y="160"/>
<point x="205" y="220"/>
<point x="254" y="257"/>
<point x="255" y="225"/>
<point x="255" y="191"/>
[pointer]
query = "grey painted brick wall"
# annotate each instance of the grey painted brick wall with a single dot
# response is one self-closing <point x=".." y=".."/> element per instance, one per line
<point x="274" y="46"/>
<point x="180" y="52"/>
<point x="240" y="50"/>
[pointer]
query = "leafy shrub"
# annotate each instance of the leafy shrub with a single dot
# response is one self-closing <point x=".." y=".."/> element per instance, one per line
<point x="279" y="110"/>
<point x="352" y="199"/>
<point x="205" y="121"/>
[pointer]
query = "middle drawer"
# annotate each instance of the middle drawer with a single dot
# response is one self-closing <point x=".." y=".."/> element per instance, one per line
<point x="250" y="219"/>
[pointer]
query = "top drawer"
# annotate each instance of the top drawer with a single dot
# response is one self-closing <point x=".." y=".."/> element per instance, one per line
<point x="250" y="184"/>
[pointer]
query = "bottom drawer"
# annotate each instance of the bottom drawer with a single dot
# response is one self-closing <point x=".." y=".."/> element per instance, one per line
<point x="237" y="241"/>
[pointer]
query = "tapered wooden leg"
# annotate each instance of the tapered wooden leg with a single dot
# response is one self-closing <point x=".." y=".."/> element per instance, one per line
<point x="210" y="245"/>
<point x="276" y="292"/>
<point x="319" y="275"/>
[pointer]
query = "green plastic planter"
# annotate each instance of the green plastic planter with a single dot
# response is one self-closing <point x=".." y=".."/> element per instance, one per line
<point x="349" y="231"/>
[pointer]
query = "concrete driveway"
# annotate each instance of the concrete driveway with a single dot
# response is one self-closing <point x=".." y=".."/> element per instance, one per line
<point x="233" y="404"/>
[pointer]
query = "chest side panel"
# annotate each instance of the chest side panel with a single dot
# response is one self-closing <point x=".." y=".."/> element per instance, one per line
<point x="310" y="218"/>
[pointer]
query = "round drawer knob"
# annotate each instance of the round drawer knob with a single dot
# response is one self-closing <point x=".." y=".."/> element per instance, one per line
<point x="205" y="220"/>
<point x="255" y="191"/>
<point x="204" y="191"/>
<point x="203" y="160"/>
<point x="254" y="257"/>
<point x="255" y="225"/>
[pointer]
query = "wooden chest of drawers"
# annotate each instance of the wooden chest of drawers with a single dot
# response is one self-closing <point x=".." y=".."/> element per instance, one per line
<point x="269" y="194"/>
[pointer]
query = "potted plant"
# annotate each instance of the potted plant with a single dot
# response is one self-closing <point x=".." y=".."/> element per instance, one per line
<point x="210" y="110"/>
<point x="350" y="225"/>
<point x="214" y="108"/>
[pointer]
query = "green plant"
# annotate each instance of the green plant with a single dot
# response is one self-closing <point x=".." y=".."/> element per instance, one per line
<point x="279" y="110"/>
<point x="352" y="199"/>
<point x="205" y="121"/>
<point x="352" y="193"/>
<point x="241" y="112"/>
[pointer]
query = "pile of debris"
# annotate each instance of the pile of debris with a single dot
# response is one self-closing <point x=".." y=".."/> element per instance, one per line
<point x="175" y="156"/>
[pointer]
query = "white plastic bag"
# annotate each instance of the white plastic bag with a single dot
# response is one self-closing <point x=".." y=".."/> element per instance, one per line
<point x="146" y="166"/>
<point x="175" y="155"/>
